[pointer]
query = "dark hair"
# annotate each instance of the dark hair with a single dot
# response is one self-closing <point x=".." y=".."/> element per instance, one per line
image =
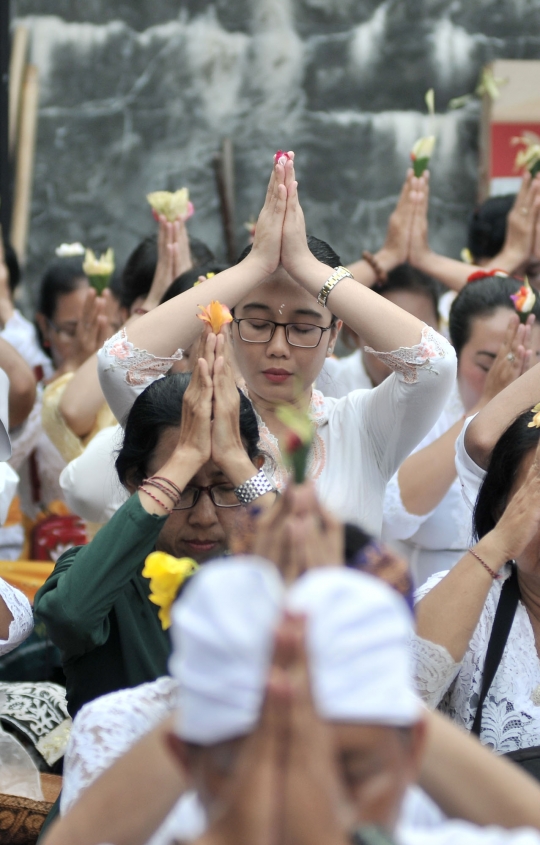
<point x="188" y="279"/>
<point x="481" y="299"/>
<point x="320" y="249"/>
<point x="512" y="446"/>
<point x="407" y="278"/>
<point x="12" y="264"/>
<point x="61" y="277"/>
<point x="160" y="407"/>
<point x="487" y="226"/>
<point x="141" y="266"/>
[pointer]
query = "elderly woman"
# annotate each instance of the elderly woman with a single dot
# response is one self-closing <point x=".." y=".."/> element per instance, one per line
<point x="186" y="473"/>
<point x="289" y="296"/>
<point x="490" y="599"/>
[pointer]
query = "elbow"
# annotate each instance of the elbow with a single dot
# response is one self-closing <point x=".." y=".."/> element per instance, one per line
<point x="22" y="395"/>
<point x="479" y="442"/>
<point x="77" y="419"/>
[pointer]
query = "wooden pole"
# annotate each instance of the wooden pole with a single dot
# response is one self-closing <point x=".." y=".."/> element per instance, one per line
<point x="17" y="66"/>
<point x="25" y="162"/>
<point x="5" y="170"/>
<point x="224" y="167"/>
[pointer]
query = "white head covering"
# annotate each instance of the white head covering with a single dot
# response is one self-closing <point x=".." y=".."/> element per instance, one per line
<point x="5" y="442"/>
<point x="223" y="628"/>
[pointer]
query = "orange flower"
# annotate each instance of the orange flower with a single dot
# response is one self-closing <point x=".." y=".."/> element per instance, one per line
<point x="215" y="314"/>
<point x="524" y="299"/>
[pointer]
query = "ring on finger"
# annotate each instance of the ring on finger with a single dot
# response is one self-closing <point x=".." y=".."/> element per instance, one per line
<point x="511" y="357"/>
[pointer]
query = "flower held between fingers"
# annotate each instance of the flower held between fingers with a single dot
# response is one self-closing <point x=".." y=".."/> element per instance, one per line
<point x="215" y="315"/>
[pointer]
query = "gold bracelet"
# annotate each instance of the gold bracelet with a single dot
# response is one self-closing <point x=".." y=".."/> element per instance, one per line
<point x="338" y="274"/>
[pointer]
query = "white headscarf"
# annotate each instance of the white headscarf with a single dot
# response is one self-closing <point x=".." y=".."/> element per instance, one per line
<point x="223" y="627"/>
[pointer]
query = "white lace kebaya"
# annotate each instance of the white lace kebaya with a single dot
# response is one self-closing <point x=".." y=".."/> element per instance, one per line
<point x="22" y="623"/>
<point x="361" y="439"/>
<point x="511" y="713"/>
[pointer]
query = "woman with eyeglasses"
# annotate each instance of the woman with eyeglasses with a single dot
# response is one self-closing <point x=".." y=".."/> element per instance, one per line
<point x="289" y="297"/>
<point x="190" y="449"/>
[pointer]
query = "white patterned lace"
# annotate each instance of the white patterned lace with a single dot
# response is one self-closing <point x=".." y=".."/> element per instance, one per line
<point x="407" y="359"/>
<point x="511" y="713"/>
<point x="106" y="728"/>
<point x="140" y="367"/>
<point x="23" y="621"/>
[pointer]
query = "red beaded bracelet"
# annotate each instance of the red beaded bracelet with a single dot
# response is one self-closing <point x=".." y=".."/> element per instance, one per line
<point x="155" y="498"/>
<point x="494" y="575"/>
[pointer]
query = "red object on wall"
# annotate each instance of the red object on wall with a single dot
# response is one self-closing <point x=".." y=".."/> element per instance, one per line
<point x="503" y="152"/>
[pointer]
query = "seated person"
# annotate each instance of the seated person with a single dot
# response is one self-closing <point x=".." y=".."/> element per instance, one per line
<point x="184" y="474"/>
<point x="337" y="727"/>
<point x="456" y="610"/>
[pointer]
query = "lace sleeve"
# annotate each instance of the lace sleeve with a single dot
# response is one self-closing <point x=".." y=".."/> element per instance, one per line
<point x="107" y="728"/>
<point x="125" y="371"/>
<point x="434" y="670"/>
<point x="398" y="523"/>
<point x="23" y="622"/>
<point x="407" y="360"/>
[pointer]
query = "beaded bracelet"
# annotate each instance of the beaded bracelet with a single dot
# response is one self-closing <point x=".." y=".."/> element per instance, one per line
<point x="155" y="498"/>
<point x="172" y="496"/>
<point x="380" y="274"/>
<point x="168" y="481"/>
<point x="494" y="575"/>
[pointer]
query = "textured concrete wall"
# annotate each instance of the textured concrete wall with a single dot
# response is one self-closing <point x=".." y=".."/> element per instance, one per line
<point x="137" y="95"/>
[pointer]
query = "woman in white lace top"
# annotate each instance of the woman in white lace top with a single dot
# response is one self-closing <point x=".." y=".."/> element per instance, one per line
<point x="281" y="337"/>
<point x="456" y="609"/>
<point x="423" y="503"/>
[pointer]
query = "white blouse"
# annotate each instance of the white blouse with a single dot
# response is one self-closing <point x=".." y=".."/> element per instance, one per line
<point x="340" y="376"/>
<point x="22" y="624"/>
<point x="436" y="540"/>
<point x="511" y="712"/>
<point x="106" y="728"/>
<point x="360" y="439"/>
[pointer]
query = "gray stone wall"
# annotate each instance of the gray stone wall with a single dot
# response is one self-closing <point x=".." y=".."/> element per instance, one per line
<point x="136" y="96"/>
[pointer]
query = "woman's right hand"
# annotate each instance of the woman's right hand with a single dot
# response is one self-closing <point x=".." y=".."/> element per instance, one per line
<point x="195" y="440"/>
<point x="266" y="250"/>
<point x="92" y="331"/>
<point x="511" y="362"/>
<point x="398" y="233"/>
<point x="520" y="521"/>
<point x="520" y="231"/>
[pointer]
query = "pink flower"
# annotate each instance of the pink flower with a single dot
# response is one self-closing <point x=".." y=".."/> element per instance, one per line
<point x="281" y="157"/>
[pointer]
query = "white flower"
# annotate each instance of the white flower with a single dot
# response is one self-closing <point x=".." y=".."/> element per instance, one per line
<point x="69" y="250"/>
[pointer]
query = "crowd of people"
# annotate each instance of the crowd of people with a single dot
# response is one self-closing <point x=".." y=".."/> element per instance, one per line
<point x="236" y="646"/>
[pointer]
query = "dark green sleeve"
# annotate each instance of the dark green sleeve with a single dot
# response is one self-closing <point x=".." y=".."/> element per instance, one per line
<point x="75" y="601"/>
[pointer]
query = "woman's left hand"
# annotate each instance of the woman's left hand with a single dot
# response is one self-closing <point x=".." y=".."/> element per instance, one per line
<point x="295" y="253"/>
<point x="228" y="451"/>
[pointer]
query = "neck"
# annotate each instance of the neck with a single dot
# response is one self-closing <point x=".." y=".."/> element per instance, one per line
<point x="529" y="585"/>
<point x="266" y="409"/>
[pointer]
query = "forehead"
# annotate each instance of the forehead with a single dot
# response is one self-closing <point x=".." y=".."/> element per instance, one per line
<point x="491" y="327"/>
<point x="280" y="294"/>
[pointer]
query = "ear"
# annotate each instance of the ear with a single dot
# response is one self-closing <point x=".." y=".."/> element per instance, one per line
<point x="334" y="334"/>
<point x="178" y="750"/>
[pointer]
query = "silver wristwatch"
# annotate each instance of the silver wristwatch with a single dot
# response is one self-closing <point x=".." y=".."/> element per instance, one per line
<point x="253" y="488"/>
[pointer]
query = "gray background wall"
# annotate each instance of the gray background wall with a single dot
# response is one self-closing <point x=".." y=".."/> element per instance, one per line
<point x="137" y="95"/>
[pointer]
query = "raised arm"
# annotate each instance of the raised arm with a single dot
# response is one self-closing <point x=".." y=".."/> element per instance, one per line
<point x="383" y="325"/>
<point x="449" y="613"/>
<point x="22" y="384"/>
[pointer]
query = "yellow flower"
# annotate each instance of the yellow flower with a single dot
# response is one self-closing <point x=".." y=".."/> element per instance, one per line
<point x="489" y="84"/>
<point x="172" y="205"/>
<point x="529" y="156"/>
<point x="536" y="419"/>
<point x="215" y="315"/>
<point x="166" y="574"/>
<point x="467" y="256"/>
<point x="103" y="266"/>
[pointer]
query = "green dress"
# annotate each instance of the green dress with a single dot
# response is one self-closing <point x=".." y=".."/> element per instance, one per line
<point x="96" y="609"/>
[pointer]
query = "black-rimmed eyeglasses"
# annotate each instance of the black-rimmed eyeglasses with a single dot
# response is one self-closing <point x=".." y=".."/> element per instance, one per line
<point x="222" y="495"/>
<point x="304" y="335"/>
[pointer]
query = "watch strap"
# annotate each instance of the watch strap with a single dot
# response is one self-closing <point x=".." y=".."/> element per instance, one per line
<point x="253" y="488"/>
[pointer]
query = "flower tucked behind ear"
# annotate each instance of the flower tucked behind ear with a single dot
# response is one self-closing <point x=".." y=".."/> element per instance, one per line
<point x="215" y="315"/>
<point x="99" y="271"/>
<point x="172" y="205"/>
<point x="524" y="300"/>
<point x="166" y="574"/>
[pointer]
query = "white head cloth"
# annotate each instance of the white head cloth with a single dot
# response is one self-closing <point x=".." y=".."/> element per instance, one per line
<point x="223" y="627"/>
